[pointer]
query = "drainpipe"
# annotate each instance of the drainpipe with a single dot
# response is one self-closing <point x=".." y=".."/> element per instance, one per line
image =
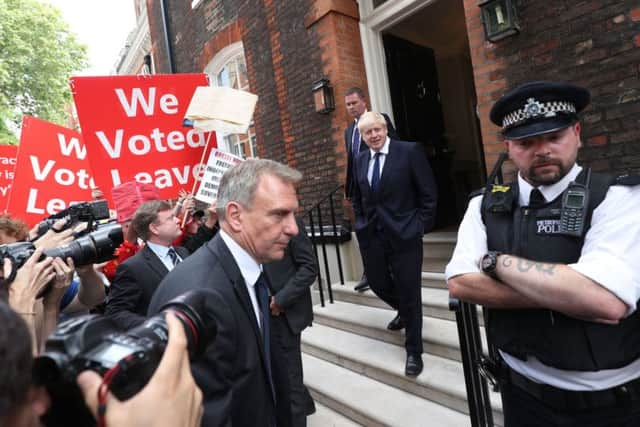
<point x="167" y="35"/>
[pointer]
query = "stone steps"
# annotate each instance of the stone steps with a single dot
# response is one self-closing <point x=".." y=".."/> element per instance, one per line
<point x="440" y="337"/>
<point x="435" y="301"/>
<point x="441" y="382"/>
<point x="370" y="402"/>
<point x="326" y="417"/>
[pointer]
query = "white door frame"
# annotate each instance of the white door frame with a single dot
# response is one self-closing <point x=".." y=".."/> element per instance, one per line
<point x="372" y="23"/>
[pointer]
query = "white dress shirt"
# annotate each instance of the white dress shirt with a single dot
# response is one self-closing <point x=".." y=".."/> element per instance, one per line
<point x="163" y="253"/>
<point x="609" y="257"/>
<point x="249" y="269"/>
<point x="383" y="155"/>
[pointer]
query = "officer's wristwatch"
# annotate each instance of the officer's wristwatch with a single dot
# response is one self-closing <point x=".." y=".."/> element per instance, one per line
<point x="489" y="262"/>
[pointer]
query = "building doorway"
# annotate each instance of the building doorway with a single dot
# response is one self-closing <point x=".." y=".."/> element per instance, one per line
<point x="431" y="91"/>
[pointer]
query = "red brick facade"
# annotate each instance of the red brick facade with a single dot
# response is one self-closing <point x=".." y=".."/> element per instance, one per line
<point x="593" y="43"/>
<point x="288" y="44"/>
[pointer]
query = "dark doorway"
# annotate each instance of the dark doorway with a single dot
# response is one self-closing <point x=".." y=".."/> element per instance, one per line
<point x="415" y="98"/>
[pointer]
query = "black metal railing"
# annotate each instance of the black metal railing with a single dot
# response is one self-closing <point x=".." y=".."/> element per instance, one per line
<point x="474" y="363"/>
<point x="323" y="234"/>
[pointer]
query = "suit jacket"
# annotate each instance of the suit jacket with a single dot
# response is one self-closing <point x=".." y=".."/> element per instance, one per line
<point x="291" y="279"/>
<point x="232" y="373"/>
<point x="404" y="206"/>
<point x="131" y="290"/>
<point x="348" y="140"/>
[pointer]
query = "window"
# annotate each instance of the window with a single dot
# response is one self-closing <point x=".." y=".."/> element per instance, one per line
<point x="228" y="68"/>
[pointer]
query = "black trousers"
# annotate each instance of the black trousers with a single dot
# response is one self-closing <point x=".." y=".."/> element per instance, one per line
<point x="395" y="276"/>
<point x="523" y="410"/>
<point x="301" y="401"/>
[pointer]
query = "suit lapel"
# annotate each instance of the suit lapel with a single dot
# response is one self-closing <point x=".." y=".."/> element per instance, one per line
<point x="154" y="262"/>
<point x="363" y="167"/>
<point x="240" y="288"/>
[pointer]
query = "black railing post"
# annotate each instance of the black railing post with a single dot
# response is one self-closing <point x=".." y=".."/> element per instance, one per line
<point x="315" y="249"/>
<point x="335" y="234"/>
<point x="480" y="411"/>
<point x="324" y="254"/>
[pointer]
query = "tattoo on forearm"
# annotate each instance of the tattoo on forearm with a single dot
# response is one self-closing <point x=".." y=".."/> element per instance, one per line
<point x="525" y="266"/>
<point x="506" y="261"/>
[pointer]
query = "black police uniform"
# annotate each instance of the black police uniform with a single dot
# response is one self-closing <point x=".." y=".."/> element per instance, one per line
<point x="532" y="232"/>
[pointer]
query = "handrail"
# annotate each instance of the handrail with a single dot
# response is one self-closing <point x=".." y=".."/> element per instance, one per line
<point x="318" y="239"/>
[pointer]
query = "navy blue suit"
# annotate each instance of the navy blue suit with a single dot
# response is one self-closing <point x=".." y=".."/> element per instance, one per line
<point x="348" y="140"/>
<point x="390" y="223"/>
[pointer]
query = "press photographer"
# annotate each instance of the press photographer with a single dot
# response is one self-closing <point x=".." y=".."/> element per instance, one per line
<point x="22" y="403"/>
<point x="37" y="279"/>
<point x="125" y="360"/>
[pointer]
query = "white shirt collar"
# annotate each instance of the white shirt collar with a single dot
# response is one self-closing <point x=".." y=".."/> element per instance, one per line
<point x="158" y="249"/>
<point x="384" y="150"/>
<point x="550" y="192"/>
<point x="249" y="268"/>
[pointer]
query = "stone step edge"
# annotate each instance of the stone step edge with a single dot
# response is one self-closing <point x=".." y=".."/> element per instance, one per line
<point x="349" y="408"/>
<point x="455" y="399"/>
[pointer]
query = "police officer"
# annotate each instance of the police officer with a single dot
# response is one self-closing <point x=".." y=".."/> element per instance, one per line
<point x="555" y="257"/>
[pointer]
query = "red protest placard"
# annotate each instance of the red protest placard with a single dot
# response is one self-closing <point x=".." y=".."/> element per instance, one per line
<point x="132" y="126"/>
<point x="52" y="171"/>
<point x="8" y="154"/>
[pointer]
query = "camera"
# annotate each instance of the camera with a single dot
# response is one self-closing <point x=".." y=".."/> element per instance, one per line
<point x="89" y="212"/>
<point x="95" y="247"/>
<point x="126" y="360"/>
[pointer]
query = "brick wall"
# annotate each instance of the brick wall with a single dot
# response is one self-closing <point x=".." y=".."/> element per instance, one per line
<point x="283" y="46"/>
<point x="593" y="43"/>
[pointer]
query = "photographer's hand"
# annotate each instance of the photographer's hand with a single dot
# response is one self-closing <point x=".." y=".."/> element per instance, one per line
<point x="172" y="382"/>
<point x="62" y="280"/>
<point x="52" y="239"/>
<point x="31" y="279"/>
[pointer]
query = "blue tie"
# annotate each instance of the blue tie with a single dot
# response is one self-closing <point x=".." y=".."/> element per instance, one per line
<point x="174" y="256"/>
<point x="262" y="293"/>
<point x="355" y="143"/>
<point x="375" y="176"/>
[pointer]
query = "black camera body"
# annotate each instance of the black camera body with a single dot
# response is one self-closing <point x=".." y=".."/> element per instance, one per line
<point x="130" y="358"/>
<point x="95" y="247"/>
<point x="89" y="212"/>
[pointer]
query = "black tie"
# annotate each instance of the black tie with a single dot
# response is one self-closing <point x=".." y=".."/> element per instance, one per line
<point x="536" y="199"/>
<point x="174" y="256"/>
<point x="375" y="176"/>
<point x="262" y="293"/>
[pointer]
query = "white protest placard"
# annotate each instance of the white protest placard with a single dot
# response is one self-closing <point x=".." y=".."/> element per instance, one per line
<point x="219" y="162"/>
<point x="221" y="109"/>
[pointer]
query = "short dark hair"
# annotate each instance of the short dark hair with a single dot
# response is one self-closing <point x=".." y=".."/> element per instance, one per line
<point x="14" y="227"/>
<point x="355" y="90"/>
<point x="146" y="214"/>
<point x="16" y="361"/>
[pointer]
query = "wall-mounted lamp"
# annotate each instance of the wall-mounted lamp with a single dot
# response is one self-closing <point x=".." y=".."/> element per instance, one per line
<point x="499" y="19"/>
<point x="323" y="96"/>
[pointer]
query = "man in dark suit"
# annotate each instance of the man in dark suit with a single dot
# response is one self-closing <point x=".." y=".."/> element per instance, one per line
<point x="291" y="279"/>
<point x="356" y="104"/>
<point x="241" y="373"/>
<point x="394" y="201"/>
<point x="138" y="277"/>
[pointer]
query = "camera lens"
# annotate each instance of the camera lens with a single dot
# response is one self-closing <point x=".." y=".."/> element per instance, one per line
<point x="96" y="247"/>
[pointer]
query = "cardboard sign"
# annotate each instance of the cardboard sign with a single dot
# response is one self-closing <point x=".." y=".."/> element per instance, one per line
<point x="52" y="171"/>
<point x="132" y="126"/>
<point x="8" y="154"/>
<point x="217" y="165"/>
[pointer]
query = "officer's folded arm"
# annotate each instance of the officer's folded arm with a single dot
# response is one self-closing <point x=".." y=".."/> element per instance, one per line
<point x="479" y="288"/>
<point x="561" y="288"/>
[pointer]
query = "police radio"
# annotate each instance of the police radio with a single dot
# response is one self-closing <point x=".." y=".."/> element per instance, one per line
<point x="575" y="202"/>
